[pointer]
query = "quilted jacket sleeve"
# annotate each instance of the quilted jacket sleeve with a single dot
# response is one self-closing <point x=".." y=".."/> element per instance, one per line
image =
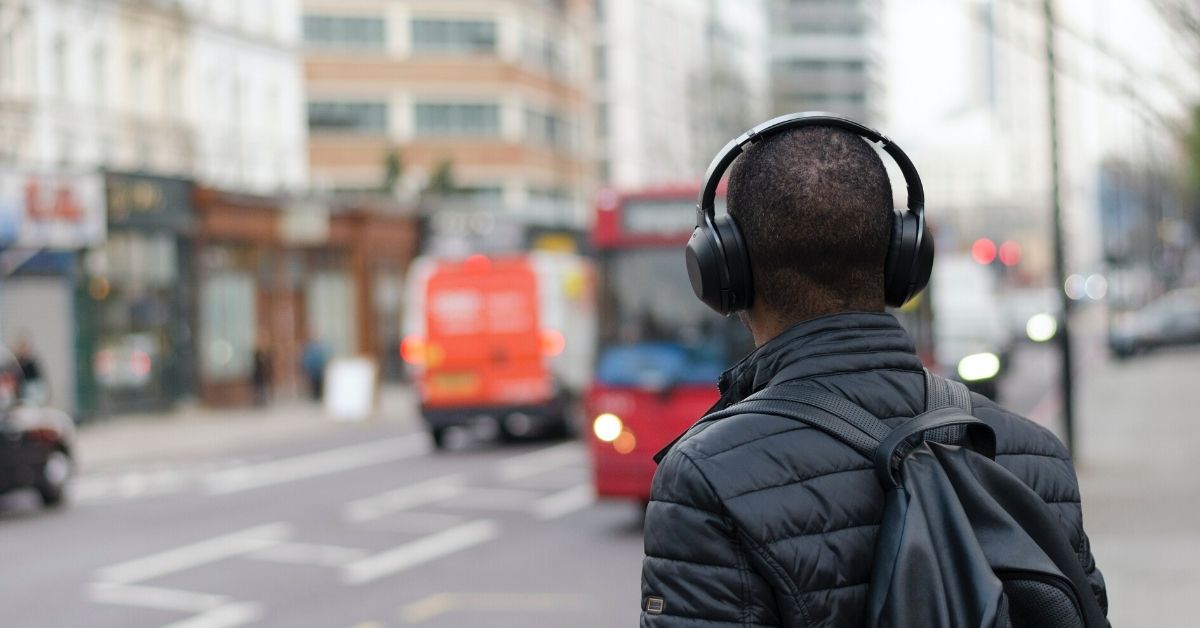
<point x="695" y="571"/>
<point x="1095" y="578"/>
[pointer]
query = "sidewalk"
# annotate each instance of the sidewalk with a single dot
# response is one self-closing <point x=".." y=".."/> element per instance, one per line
<point x="197" y="432"/>
<point x="1139" y="441"/>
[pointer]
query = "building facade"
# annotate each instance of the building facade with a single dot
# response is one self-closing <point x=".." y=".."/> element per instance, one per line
<point x="274" y="275"/>
<point x="676" y="80"/>
<point x="210" y="90"/>
<point x="826" y="56"/>
<point x="110" y="111"/>
<point x="491" y="98"/>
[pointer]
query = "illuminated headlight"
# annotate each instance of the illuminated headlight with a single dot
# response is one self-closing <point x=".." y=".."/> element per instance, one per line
<point x="978" y="366"/>
<point x="1041" y="327"/>
<point x="607" y="427"/>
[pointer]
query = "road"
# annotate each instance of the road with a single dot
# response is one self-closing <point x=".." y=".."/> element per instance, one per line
<point x="362" y="529"/>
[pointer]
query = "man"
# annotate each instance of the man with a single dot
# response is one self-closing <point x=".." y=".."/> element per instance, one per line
<point x="313" y="361"/>
<point x="31" y="385"/>
<point x="758" y="520"/>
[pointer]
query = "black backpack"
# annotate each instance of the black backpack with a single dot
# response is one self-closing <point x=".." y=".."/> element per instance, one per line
<point x="963" y="542"/>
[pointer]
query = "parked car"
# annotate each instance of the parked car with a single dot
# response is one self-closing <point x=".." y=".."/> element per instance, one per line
<point x="36" y="445"/>
<point x="1172" y="319"/>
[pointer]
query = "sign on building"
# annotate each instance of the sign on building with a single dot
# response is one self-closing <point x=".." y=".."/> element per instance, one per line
<point x="51" y="211"/>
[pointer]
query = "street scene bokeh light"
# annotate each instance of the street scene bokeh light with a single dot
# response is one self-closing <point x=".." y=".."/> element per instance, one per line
<point x="376" y="313"/>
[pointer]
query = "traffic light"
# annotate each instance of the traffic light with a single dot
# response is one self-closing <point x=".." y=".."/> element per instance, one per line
<point x="983" y="251"/>
<point x="1010" y="253"/>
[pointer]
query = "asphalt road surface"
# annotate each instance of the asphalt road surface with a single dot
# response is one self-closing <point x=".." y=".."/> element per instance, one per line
<point x="365" y="530"/>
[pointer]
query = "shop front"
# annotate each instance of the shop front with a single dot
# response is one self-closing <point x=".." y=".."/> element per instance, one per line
<point x="138" y="322"/>
<point x="277" y="278"/>
<point x="46" y="219"/>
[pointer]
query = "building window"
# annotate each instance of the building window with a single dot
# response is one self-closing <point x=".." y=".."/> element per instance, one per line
<point x="347" y="116"/>
<point x="332" y="323"/>
<point x="544" y="52"/>
<point x="602" y="120"/>
<point x="453" y="36"/>
<point x="60" y="67"/>
<point x="344" y="32"/>
<point x="486" y="194"/>
<point x="7" y="53"/>
<point x="136" y="81"/>
<point x="458" y="119"/>
<point x="99" y="76"/>
<point x="601" y="61"/>
<point x="820" y="65"/>
<point x="172" y="86"/>
<point x="548" y="129"/>
<point x="830" y="101"/>
<point x="227" y="326"/>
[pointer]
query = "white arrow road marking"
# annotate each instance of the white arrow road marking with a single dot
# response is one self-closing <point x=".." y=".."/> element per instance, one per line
<point x="208" y="610"/>
<point x="442" y="603"/>
<point x="315" y="464"/>
<point x="403" y="498"/>
<point x="564" y="502"/>
<point x="228" y="616"/>
<point x="154" y="597"/>
<point x="308" y="554"/>
<point x="195" y="554"/>
<point x="540" y="461"/>
<point x="397" y="559"/>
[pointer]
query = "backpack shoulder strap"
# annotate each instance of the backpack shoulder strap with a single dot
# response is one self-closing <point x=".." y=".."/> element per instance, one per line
<point x="943" y="393"/>
<point x="834" y="415"/>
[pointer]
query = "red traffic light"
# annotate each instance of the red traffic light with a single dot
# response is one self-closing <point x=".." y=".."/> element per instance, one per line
<point x="1010" y="253"/>
<point x="983" y="251"/>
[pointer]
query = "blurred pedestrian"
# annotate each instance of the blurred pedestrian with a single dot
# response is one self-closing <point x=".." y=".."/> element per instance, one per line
<point x="757" y="517"/>
<point x="32" y="385"/>
<point x="261" y="375"/>
<point x="313" y="362"/>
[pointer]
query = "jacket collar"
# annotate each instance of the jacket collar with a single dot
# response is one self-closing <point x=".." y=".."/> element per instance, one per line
<point x="835" y="343"/>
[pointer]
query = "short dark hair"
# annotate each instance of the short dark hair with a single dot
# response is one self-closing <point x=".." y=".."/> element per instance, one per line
<point x="815" y="207"/>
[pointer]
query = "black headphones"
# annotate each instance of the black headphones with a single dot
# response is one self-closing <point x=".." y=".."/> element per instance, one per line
<point x="718" y="261"/>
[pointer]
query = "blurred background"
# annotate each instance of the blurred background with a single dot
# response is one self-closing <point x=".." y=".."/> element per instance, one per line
<point x="371" y="313"/>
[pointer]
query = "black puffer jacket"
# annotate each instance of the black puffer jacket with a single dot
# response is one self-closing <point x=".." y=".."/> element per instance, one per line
<point x="758" y="520"/>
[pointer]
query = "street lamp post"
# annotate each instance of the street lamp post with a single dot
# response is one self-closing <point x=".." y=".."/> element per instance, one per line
<point x="1060" y="263"/>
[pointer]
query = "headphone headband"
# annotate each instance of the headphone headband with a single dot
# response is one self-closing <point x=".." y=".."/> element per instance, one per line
<point x="705" y="206"/>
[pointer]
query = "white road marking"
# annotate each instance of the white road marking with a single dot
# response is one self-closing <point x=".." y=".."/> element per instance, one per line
<point x="315" y="464"/>
<point x="195" y="554"/>
<point x="154" y="597"/>
<point x="403" y="498"/>
<point x="397" y="559"/>
<point x="564" y="502"/>
<point x="541" y="461"/>
<point x="228" y="616"/>
<point x="308" y="554"/>
<point x="413" y="522"/>
<point x="482" y="498"/>
<point x="442" y="603"/>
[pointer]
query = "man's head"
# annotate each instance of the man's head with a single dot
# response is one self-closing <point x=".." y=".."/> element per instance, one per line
<point x="815" y="207"/>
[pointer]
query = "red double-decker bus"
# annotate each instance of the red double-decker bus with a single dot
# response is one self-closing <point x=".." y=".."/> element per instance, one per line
<point x="660" y="350"/>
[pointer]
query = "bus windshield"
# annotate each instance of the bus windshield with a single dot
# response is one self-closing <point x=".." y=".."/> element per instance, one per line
<point x="654" y="333"/>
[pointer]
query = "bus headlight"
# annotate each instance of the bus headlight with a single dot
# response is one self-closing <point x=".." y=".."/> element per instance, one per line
<point x="978" y="366"/>
<point x="607" y="427"/>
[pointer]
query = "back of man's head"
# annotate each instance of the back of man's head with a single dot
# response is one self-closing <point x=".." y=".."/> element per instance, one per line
<point x="815" y="207"/>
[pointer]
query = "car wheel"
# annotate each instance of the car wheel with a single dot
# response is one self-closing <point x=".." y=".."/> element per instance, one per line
<point x="52" y="481"/>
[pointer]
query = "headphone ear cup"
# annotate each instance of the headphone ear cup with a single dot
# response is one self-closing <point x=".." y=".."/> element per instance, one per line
<point x="909" y="259"/>
<point x="737" y="259"/>
<point x="703" y="258"/>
